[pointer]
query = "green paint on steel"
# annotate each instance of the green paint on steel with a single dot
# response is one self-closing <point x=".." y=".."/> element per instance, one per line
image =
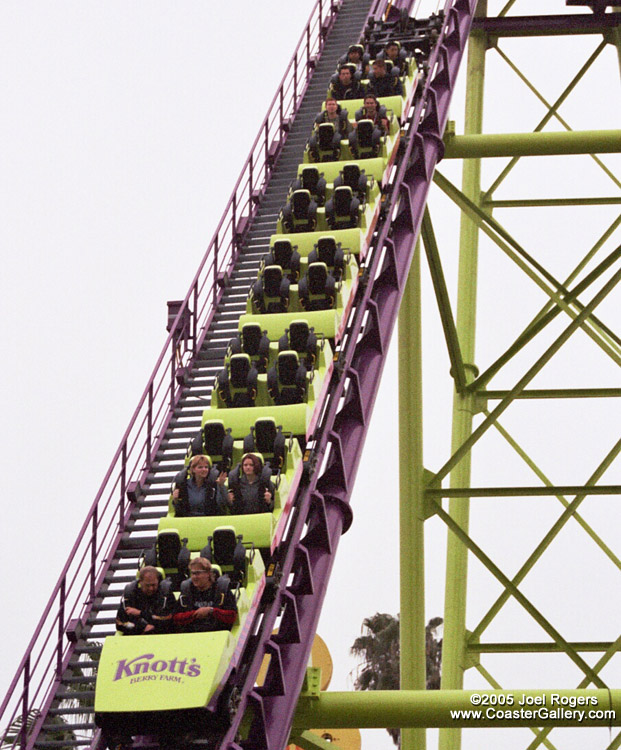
<point x="411" y="497"/>
<point x="586" y="489"/>
<point x="613" y="36"/>
<point x="436" y="708"/>
<point x="458" y="372"/>
<point x="604" y="237"/>
<point x="552" y="202"/>
<point x="532" y="144"/>
<point x="464" y="403"/>
<point x="552" y="112"/>
<point x="465" y="447"/>
<point x="547" y="540"/>
<point x="527" y="263"/>
<point x="537" y="471"/>
<point x="537" y="647"/>
<point x="493" y="683"/>
<point x="548" y="393"/>
<point x="512" y="590"/>
<point x="597" y="667"/>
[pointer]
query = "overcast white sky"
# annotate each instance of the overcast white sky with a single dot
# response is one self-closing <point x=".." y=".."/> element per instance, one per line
<point x="124" y="128"/>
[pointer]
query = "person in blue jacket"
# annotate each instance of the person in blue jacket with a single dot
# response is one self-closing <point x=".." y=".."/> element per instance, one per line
<point x="199" y="490"/>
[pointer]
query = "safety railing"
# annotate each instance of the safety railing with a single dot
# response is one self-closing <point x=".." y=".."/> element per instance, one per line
<point x="38" y="680"/>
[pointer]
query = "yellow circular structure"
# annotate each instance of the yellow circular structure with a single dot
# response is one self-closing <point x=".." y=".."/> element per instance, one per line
<point x="320" y="657"/>
<point x="345" y="739"/>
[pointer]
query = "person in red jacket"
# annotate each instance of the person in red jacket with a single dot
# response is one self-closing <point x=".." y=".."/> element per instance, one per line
<point x="203" y="604"/>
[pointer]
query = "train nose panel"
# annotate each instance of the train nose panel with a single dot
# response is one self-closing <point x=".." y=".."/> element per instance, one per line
<point x="162" y="672"/>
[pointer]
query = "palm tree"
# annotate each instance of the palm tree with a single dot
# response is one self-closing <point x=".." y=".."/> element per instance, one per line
<point x="433" y="650"/>
<point x="378" y="647"/>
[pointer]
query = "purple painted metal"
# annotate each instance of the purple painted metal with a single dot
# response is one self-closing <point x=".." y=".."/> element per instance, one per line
<point x="49" y="651"/>
<point x="322" y="507"/>
<point x="399" y="6"/>
<point x="377" y="10"/>
<point x="390" y="10"/>
<point x="580" y="23"/>
<point x="597" y="6"/>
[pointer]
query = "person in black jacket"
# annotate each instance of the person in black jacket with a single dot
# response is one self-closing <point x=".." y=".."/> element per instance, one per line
<point x="147" y="605"/>
<point x="249" y="493"/>
<point x="381" y="83"/>
<point x="397" y="57"/>
<point x="202" y="607"/>
<point x="336" y="115"/>
<point x="345" y="87"/>
<point x="355" y="55"/>
<point x="202" y="492"/>
<point x="374" y="111"/>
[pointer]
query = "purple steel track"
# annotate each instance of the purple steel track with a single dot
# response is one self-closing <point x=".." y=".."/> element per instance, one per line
<point x="322" y="508"/>
<point x="47" y="656"/>
<point x="580" y="23"/>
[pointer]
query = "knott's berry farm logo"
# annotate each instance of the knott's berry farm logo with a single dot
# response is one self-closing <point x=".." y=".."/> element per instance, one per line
<point x="146" y="668"/>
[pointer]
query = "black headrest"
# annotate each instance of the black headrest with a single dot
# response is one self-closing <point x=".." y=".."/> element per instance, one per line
<point x="224" y="543"/>
<point x="282" y="250"/>
<point x="326" y="250"/>
<point x="264" y="434"/>
<point x="317" y="275"/>
<point x="310" y="178"/>
<point x="213" y="435"/>
<point x="298" y="335"/>
<point x="301" y="199"/>
<point x="272" y="278"/>
<point x="351" y="175"/>
<point x="326" y="134"/>
<point x="251" y="336"/>
<point x="168" y="548"/>
<point x="287" y="365"/>
<point x="342" y="199"/>
<point x="365" y="129"/>
<point x="239" y="367"/>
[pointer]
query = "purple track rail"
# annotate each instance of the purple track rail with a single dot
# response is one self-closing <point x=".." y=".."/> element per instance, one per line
<point x="323" y="512"/>
<point x="47" y="656"/>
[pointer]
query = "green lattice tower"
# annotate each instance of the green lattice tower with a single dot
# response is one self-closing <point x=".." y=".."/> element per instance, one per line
<point x="532" y="475"/>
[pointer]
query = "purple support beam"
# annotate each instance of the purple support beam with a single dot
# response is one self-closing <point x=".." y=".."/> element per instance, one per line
<point x="322" y="507"/>
<point x="398" y="7"/>
<point x="597" y="6"/>
<point x="581" y="23"/>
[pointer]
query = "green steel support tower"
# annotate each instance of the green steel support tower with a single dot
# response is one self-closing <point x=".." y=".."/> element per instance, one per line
<point x="536" y="408"/>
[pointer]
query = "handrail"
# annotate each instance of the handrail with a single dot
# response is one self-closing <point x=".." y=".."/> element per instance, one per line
<point x="65" y="616"/>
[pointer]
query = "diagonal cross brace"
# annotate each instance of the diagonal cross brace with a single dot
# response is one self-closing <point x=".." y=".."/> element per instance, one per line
<point x="527" y="377"/>
<point x="518" y="596"/>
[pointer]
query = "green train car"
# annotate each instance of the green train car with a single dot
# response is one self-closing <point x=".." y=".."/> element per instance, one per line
<point x="266" y="400"/>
